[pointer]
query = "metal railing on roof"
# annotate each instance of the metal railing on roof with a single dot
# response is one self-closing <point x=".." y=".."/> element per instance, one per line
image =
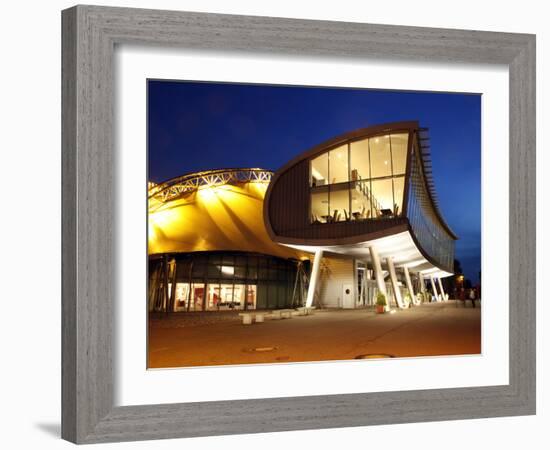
<point x="185" y="184"/>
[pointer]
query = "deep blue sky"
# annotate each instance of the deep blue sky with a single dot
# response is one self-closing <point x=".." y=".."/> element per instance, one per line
<point x="201" y="126"/>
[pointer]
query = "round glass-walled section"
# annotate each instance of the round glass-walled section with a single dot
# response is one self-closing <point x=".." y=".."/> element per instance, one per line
<point x="225" y="281"/>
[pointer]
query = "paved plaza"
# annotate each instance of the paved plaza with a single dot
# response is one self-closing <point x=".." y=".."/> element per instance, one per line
<point x="207" y="339"/>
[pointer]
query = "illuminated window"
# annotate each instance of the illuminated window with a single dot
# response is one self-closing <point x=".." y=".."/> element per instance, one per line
<point x="398" y="189"/>
<point x="239" y="293"/>
<point x="399" y="152"/>
<point x="365" y="180"/>
<point x="239" y="281"/>
<point x="359" y="160"/>
<point x="338" y="164"/>
<point x="360" y="201"/>
<point x="181" y="297"/>
<point x="319" y="206"/>
<point x="227" y="271"/>
<point x="250" y="297"/>
<point x="339" y="203"/>
<point x="382" y="194"/>
<point x="319" y="170"/>
<point x="226" y="300"/>
<point x="213" y="298"/>
<point x="197" y="296"/>
<point x="380" y="156"/>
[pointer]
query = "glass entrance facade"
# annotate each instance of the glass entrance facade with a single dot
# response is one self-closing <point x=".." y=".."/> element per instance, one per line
<point x="223" y="281"/>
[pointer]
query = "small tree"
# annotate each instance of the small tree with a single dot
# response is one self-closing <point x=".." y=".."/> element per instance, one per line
<point x="380" y="302"/>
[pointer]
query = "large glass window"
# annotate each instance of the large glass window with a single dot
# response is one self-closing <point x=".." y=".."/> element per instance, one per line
<point x="236" y="284"/>
<point x="319" y="170"/>
<point x="188" y="298"/>
<point x="197" y="296"/>
<point x="182" y="295"/>
<point x="380" y="156"/>
<point x="360" y="201"/>
<point x="251" y="297"/>
<point x="213" y="297"/>
<point x="226" y="297"/>
<point x="399" y="152"/>
<point x="365" y="180"/>
<point x="382" y="193"/>
<point x="359" y="160"/>
<point x="398" y="189"/>
<point x="339" y="203"/>
<point x="338" y="164"/>
<point x="239" y="291"/>
<point x="319" y="206"/>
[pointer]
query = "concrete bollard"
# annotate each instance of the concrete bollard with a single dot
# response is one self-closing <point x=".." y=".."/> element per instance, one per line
<point x="247" y="319"/>
<point x="259" y="318"/>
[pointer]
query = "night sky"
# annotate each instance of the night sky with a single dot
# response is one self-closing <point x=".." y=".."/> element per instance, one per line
<point x="202" y="126"/>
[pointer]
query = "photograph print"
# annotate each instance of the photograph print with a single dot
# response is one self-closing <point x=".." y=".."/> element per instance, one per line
<point x="291" y="224"/>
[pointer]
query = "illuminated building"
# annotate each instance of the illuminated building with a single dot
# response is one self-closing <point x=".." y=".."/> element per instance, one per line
<point x="364" y="204"/>
<point x="349" y="218"/>
<point x="209" y="250"/>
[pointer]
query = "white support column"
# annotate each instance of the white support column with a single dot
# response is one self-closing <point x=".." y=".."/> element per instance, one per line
<point x="393" y="277"/>
<point x="409" y="285"/>
<point x="441" y="289"/>
<point x="422" y="285"/>
<point x="314" y="278"/>
<point x="408" y="280"/>
<point x="433" y="288"/>
<point x="378" y="276"/>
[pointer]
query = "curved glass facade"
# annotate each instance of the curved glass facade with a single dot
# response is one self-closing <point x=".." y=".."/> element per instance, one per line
<point x="366" y="179"/>
<point x="359" y="180"/>
<point x="218" y="281"/>
<point x="426" y="226"/>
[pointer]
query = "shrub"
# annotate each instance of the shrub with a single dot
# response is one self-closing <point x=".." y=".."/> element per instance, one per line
<point x="380" y="299"/>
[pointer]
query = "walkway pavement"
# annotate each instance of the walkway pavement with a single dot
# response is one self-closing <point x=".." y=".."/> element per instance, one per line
<point x="433" y="329"/>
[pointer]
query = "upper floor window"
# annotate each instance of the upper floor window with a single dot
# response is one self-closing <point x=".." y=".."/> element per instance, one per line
<point x="319" y="170"/>
<point x="359" y="180"/>
<point x="359" y="160"/>
<point x="380" y="156"/>
<point x="338" y="164"/>
<point x="399" y="153"/>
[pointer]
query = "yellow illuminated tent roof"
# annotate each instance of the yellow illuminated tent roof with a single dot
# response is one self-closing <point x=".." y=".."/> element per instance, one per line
<point x="208" y="211"/>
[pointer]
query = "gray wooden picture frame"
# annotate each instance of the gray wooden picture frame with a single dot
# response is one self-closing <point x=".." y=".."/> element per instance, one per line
<point x="88" y="153"/>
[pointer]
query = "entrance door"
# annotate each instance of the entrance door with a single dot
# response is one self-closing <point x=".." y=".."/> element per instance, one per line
<point x="251" y="296"/>
<point x="197" y="297"/>
<point x="347" y="296"/>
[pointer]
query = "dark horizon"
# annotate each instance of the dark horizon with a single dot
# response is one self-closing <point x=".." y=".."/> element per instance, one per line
<point x="196" y="126"/>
